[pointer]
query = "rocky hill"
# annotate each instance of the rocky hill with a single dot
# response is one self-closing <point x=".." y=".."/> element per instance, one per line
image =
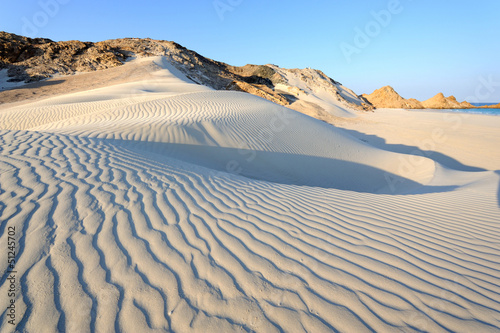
<point x="31" y="60"/>
<point x="387" y="97"/>
<point x="441" y="102"/>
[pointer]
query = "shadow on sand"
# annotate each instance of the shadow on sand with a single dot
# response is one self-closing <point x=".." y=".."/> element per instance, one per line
<point x="285" y="168"/>
<point x="442" y="159"/>
<point x="34" y="85"/>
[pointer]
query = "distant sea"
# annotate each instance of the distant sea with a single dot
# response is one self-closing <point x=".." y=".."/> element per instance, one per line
<point x="495" y="112"/>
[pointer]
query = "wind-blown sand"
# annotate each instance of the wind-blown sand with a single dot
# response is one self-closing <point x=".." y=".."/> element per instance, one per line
<point x="162" y="205"/>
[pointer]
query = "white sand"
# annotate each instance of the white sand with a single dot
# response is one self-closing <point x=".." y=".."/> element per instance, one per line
<point x="162" y="205"/>
<point x="461" y="141"/>
<point x="316" y="90"/>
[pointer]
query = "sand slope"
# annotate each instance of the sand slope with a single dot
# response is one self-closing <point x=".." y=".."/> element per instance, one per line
<point x="163" y="206"/>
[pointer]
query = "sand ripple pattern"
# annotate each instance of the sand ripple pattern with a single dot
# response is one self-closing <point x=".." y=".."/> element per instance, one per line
<point x="126" y="221"/>
<point x="113" y="240"/>
<point x="226" y="130"/>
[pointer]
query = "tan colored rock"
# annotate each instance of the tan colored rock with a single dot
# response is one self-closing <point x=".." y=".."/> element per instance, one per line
<point x="496" y="106"/>
<point x="467" y="105"/>
<point x="441" y="102"/>
<point x="387" y="97"/>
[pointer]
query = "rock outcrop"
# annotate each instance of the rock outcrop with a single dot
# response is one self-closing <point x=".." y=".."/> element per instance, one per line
<point x="493" y="106"/>
<point x="32" y="60"/>
<point x="441" y="102"/>
<point x="387" y="97"/>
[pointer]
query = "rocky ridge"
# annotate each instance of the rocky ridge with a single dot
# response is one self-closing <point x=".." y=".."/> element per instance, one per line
<point x="30" y="60"/>
<point x="387" y="97"/>
<point x="441" y="102"/>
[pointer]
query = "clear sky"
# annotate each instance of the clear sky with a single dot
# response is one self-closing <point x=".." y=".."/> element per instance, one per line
<point x="420" y="47"/>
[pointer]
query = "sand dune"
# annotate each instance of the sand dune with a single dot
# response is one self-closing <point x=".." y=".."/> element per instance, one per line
<point x="166" y="206"/>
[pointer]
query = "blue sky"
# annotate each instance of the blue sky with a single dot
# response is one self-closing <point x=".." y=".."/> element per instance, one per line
<point x="420" y="47"/>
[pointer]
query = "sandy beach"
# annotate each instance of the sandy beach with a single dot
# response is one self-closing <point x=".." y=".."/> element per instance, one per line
<point x="457" y="140"/>
<point x="152" y="204"/>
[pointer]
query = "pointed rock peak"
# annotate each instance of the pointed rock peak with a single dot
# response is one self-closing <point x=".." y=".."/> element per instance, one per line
<point x="387" y="97"/>
<point x="388" y="89"/>
<point x="439" y="98"/>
